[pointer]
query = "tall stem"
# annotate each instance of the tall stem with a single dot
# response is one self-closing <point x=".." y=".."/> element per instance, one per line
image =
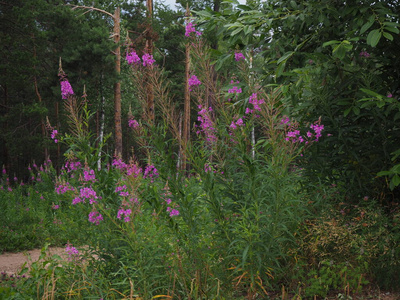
<point x="186" y="109"/>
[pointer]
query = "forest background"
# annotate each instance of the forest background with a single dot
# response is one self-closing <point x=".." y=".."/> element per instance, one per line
<point x="333" y="61"/>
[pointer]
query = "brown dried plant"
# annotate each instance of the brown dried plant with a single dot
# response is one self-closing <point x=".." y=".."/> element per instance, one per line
<point x="77" y="119"/>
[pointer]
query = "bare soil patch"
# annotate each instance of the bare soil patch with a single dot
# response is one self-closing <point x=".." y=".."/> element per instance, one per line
<point x="11" y="263"/>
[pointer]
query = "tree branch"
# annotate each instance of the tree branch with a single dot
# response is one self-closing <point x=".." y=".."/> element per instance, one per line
<point x="90" y="8"/>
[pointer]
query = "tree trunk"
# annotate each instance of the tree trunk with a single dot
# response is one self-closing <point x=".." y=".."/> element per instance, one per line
<point x="42" y="124"/>
<point x="117" y="85"/>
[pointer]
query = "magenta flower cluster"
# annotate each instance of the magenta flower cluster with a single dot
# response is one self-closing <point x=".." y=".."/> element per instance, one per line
<point x="294" y="135"/>
<point x="86" y="193"/>
<point x="124" y="212"/>
<point x="133" y="58"/>
<point x="172" y="211"/>
<point x="88" y="175"/>
<point x="66" y="89"/>
<point x="132" y="123"/>
<point x="150" y="172"/>
<point x="72" y="252"/>
<point x="148" y="59"/>
<point x="119" y="164"/>
<point x="239" y="56"/>
<point x="317" y="129"/>
<point x="72" y="166"/>
<point x="131" y="169"/>
<point x="62" y="189"/>
<point x="190" y="28"/>
<point x="206" y="125"/>
<point x="255" y="102"/>
<point x="364" y="54"/>
<point x="234" y="124"/>
<point x="54" y="134"/>
<point x="95" y="217"/>
<point x="170" y="208"/>
<point x="193" y="81"/>
<point x="235" y="90"/>
<point x="122" y="191"/>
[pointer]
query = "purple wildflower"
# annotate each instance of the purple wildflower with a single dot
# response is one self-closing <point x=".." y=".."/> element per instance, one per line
<point x="132" y="58"/>
<point x="240" y="122"/>
<point x="72" y="252"/>
<point x="66" y="89"/>
<point x="72" y="166"/>
<point x="365" y="54"/>
<point x="89" y="175"/>
<point x="150" y="172"/>
<point x="193" y="81"/>
<point x="285" y="120"/>
<point x="174" y="212"/>
<point x="54" y="135"/>
<point x="256" y="102"/>
<point x="62" y="189"/>
<point x="206" y="124"/>
<point x="119" y="164"/>
<point x="148" y="59"/>
<point x="239" y="56"/>
<point x="189" y="28"/>
<point x="125" y="213"/>
<point x="134" y="170"/>
<point x="95" y="217"/>
<point x="235" y="90"/>
<point x="133" y="123"/>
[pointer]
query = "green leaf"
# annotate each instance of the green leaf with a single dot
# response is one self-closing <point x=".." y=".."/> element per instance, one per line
<point x="285" y="57"/>
<point x="340" y="50"/>
<point x="371" y="93"/>
<point x="388" y="36"/>
<point x="330" y="43"/>
<point x="280" y="69"/>
<point x="203" y="13"/>
<point x="236" y="31"/>
<point x="384" y="173"/>
<point x="373" y="37"/>
<point x="244" y="255"/>
<point x="366" y="26"/>
<point x="392" y="29"/>
<point x="391" y="24"/>
<point x="347" y="111"/>
<point x="395" y="181"/>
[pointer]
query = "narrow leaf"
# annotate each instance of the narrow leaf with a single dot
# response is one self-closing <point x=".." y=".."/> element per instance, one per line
<point x="366" y="26"/>
<point x="330" y="43"/>
<point x="285" y="57"/>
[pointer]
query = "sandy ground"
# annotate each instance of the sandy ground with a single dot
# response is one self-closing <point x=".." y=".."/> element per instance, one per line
<point x="11" y="263"/>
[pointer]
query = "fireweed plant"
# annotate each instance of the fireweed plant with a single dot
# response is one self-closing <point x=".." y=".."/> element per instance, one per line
<point x="220" y="224"/>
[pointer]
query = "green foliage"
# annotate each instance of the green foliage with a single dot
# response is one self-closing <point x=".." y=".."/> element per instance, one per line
<point x="237" y="209"/>
<point x="326" y="55"/>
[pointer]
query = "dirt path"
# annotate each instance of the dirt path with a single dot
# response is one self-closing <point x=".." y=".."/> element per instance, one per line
<point x="11" y="263"/>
